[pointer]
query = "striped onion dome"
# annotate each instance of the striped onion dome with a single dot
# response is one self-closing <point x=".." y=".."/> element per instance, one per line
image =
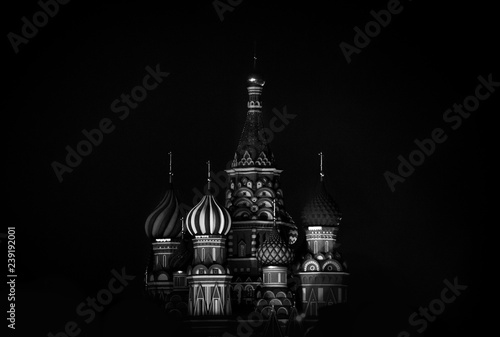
<point x="164" y="222"/>
<point x="274" y="251"/>
<point x="208" y="218"/>
<point x="321" y="210"/>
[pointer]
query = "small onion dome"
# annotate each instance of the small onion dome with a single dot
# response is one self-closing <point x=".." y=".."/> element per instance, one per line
<point x="321" y="210"/>
<point x="256" y="79"/>
<point x="208" y="218"/>
<point x="274" y="251"/>
<point x="164" y="221"/>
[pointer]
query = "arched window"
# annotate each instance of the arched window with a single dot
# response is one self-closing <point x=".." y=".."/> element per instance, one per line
<point x="269" y="294"/>
<point x="282" y="312"/>
<point x="242" y="249"/>
<point x="275" y="301"/>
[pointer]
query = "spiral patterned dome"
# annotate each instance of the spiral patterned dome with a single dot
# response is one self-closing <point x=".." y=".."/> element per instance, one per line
<point x="164" y="221"/>
<point x="321" y="210"/>
<point x="274" y="251"/>
<point x="208" y="218"/>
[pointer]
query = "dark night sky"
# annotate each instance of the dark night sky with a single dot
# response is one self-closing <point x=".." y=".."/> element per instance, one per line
<point x="400" y="245"/>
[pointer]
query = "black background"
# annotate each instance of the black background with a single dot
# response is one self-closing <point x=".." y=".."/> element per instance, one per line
<point x="400" y="245"/>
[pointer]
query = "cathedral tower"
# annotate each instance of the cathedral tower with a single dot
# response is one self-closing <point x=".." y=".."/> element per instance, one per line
<point x="209" y="278"/>
<point x="275" y="257"/>
<point x="163" y="227"/>
<point x="323" y="275"/>
<point x="253" y="185"/>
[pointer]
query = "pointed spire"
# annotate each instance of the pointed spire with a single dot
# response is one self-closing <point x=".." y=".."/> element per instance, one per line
<point x="254" y="56"/>
<point x="208" y="177"/>
<point x="294" y="326"/>
<point x="253" y="149"/>
<point x="170" y="173"/>
<point x="273" y="328"/>
<point x="321" y="174"/>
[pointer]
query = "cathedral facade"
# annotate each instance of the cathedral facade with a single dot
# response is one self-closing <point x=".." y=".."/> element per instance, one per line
<point x="242" y="257"/>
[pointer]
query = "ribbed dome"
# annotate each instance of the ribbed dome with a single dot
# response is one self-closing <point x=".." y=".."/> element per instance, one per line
<point x="164" y="221"/>
<point x="274" y="251"/>
<point x="208" y="218"/>
<point x="321" y="210"/>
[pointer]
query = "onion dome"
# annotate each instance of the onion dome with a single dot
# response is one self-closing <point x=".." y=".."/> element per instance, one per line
<point x="321" y="210"/>
<point x="208" y="218"/>
<point x="164" y="221"/>
<point x="274" y="251"/>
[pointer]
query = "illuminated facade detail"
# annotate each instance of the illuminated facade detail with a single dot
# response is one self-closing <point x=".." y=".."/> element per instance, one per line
<point x="163" y="227"/>
<point x="323" y="274"/>
<point x="275" y="256"/>
<point x="254" y="189"/>
<point x="231" y="259"/>
<point x="209" y="278"/>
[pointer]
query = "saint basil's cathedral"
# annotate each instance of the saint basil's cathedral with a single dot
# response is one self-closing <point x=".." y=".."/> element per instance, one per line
<point x="242" y="259"/>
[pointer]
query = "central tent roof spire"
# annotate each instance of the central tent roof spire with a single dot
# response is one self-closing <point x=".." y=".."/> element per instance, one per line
<point x="253" y="149"/>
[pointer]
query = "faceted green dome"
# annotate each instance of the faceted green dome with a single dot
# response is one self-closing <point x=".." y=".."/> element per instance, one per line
<point x="321" y="210"/>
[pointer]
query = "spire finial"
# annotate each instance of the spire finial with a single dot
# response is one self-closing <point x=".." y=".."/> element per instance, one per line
<point x="208" y="176"/>
<point x="321" y="174"/>
<point x="170" y="173"/>
<point x="255" y="56"/>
